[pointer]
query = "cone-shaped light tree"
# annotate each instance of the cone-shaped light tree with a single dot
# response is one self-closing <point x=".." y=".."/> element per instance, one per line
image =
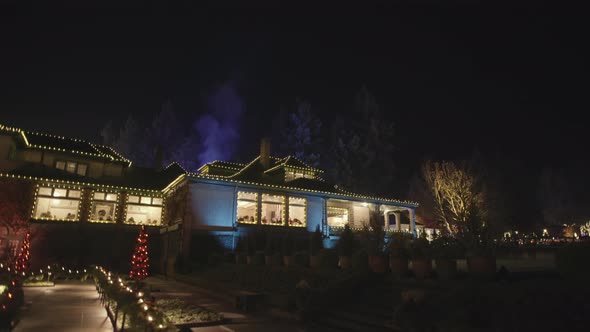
<point x="140" y="258"/>
<point x="22" y="261"/>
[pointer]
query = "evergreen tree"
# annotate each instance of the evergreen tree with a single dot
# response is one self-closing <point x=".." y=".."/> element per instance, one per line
<point x="131" y="143"/>
<point x="301" y="137"/>
<point x="187" y="153"/>
<point x="362" y="148"/>
<point x="22" y="261"/>
<point x="140" y="258"/>
<point x="165" y="136"/>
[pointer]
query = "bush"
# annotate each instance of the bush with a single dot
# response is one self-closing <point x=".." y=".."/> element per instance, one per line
<point x="287" y="245"/>
<point x="229" y="257"/>
<point x="301" y="258"/>
<point x="328" y="258"/>
<point x="572" y="261"/>
<point x="346" y="242"/>
<point x="258" y="258"/>
<point x="315" y="241"/>
<point x="360" y="260"/>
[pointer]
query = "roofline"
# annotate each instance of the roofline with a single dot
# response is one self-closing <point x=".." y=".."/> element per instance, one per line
<point x="228" y="181"/>
<point x="23" y="134"/>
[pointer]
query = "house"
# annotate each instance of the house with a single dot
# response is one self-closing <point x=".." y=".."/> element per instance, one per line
<point x="92" y="186"/>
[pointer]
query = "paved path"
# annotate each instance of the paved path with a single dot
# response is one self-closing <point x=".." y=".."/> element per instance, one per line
<point x="238" y="321"/>
<point x="67" y="307"/>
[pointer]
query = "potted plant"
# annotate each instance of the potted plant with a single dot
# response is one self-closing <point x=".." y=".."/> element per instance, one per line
<point x="345" y="247"/>
<point x="250" y="249"/>
<point x="374" y="242"/>
<point x="480" y="251"/>
<point x="399" y="243"/>
<point x="446" y="250"/>
<point x="241" y="249"/>
<point x="268" y="250"/>
<point x="287" y="249"/>
<point x="421" y="259"/>
<point x="315" y="245"/>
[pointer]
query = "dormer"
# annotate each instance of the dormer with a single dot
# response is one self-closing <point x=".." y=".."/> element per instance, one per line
<point x="290" y="168"/>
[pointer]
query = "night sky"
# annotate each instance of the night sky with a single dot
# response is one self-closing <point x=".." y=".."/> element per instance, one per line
<point x="506" y="80"/>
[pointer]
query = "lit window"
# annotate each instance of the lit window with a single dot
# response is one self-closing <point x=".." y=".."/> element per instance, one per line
<point x="272" y="209"/>
<point x="338" y="212"/>
<point x="247" y="207"/>
<point x="57" y="204"/>
<point x="103" y="209"/>
<point x="82" y="169"/>
<point x="148" y="212"/>
<point x="60" y="165"/>
<point x="297" y="213"/>
<point x="60" y="192"/>
<point x="71" y="167"/>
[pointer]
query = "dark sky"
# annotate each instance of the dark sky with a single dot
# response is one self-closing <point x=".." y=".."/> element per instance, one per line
<point x="501" y="78"/>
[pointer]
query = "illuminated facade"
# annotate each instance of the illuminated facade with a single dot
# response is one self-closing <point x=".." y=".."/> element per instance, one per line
<point x="80" y="182"/>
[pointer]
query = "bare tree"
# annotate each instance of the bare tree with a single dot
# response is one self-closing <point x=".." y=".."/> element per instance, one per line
<point x="458" y="197"/>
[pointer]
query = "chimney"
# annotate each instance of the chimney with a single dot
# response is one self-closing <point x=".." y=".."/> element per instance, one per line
<point x="265" y="152"/>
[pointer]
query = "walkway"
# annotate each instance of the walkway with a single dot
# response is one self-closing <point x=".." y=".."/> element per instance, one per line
<point x="238" y="321"/>
<point x="67" y="307"/>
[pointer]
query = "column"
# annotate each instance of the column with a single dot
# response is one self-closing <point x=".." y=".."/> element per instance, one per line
<point x="398" y="221"/>
<point x="386" y="215"/>
<point x="412" y="216"/>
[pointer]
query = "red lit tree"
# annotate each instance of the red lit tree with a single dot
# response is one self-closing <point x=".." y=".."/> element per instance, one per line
<point x="140" y="258"/>
<point x="22" y="261"/>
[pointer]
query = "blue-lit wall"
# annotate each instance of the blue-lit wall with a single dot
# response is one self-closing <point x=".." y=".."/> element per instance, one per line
<point x="314" y="212"/>
<point x="211" y="205"/>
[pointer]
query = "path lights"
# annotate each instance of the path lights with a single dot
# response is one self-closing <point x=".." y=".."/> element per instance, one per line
<point x="150" y="318"/>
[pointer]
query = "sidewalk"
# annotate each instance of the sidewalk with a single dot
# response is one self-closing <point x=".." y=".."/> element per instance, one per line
<point x="66" y="307"/>
<point x="238" y="321"/>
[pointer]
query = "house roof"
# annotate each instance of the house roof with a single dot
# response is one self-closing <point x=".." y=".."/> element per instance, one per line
<point x="35" y="140"/>
<point x="254" y="174"/>
<point x="134" y="178"/>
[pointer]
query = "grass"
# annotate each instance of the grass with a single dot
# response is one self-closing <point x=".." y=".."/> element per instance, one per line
<point x="181" y="313"/>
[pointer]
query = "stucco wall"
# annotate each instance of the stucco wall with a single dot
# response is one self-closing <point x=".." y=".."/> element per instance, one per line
<point x="211" y="205"/>
<point x="314" y="212"/>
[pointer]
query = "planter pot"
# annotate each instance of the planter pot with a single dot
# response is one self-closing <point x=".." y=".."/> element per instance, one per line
<point x="345" y="262"/>
<point x="446" y="268"/>
<point x="287" y="260"/>
<point x="482" y="266"/>
<point x="377" y="263"/>
<point x="268" y="260"/>
<point x="398" y="265"/>
<point x="422" y="267"/>
<point x="314" y="261"/>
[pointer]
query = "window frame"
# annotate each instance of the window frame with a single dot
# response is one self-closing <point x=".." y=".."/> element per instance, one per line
<point x="283" y="204"/>
<point x="76" y="168"/>
<point x="304" y="205"/>
<point x="140" y="196"/>
<point x="52" y="196"/>
<point x="256" y="203"/>
<point x="94" y="200"/>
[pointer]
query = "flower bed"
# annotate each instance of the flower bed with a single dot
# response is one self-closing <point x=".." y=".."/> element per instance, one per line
<point x="181" y="313"/>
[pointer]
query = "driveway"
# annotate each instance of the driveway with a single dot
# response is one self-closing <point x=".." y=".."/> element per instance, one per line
<point x="67" y="307"/>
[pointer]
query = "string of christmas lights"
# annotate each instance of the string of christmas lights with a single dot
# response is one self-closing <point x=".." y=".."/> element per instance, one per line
<point x="140" y="258"/>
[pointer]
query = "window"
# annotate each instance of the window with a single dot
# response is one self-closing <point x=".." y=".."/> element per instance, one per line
<point x="292" y="174"/>
<point x="247" y="207"/>
<point x="272" y="209"/>
<point x="57" y="204"/>
<point x="297" y="212"/>
<point x="144" y="210"/>
<point x="337" y="217"/>
<point x="72" y="167"/>
<point x="104" y="207"/>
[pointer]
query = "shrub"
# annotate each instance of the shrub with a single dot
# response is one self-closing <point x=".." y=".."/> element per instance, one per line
<point x="301" y="258"/>
<point x="328" y="258"/>
<point x="268" y="246"/>
<point x="399" y="244"/>
<point x="315" y="241"/>
<point x="287" y="245"/>
<point x="360" y="260"/>
<point x="346" y="242"/>
<point x="258" y="258"/>
<point x="214" y="259"/>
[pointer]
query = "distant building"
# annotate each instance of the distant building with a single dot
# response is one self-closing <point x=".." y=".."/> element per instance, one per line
<point x="79" y="182"/>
